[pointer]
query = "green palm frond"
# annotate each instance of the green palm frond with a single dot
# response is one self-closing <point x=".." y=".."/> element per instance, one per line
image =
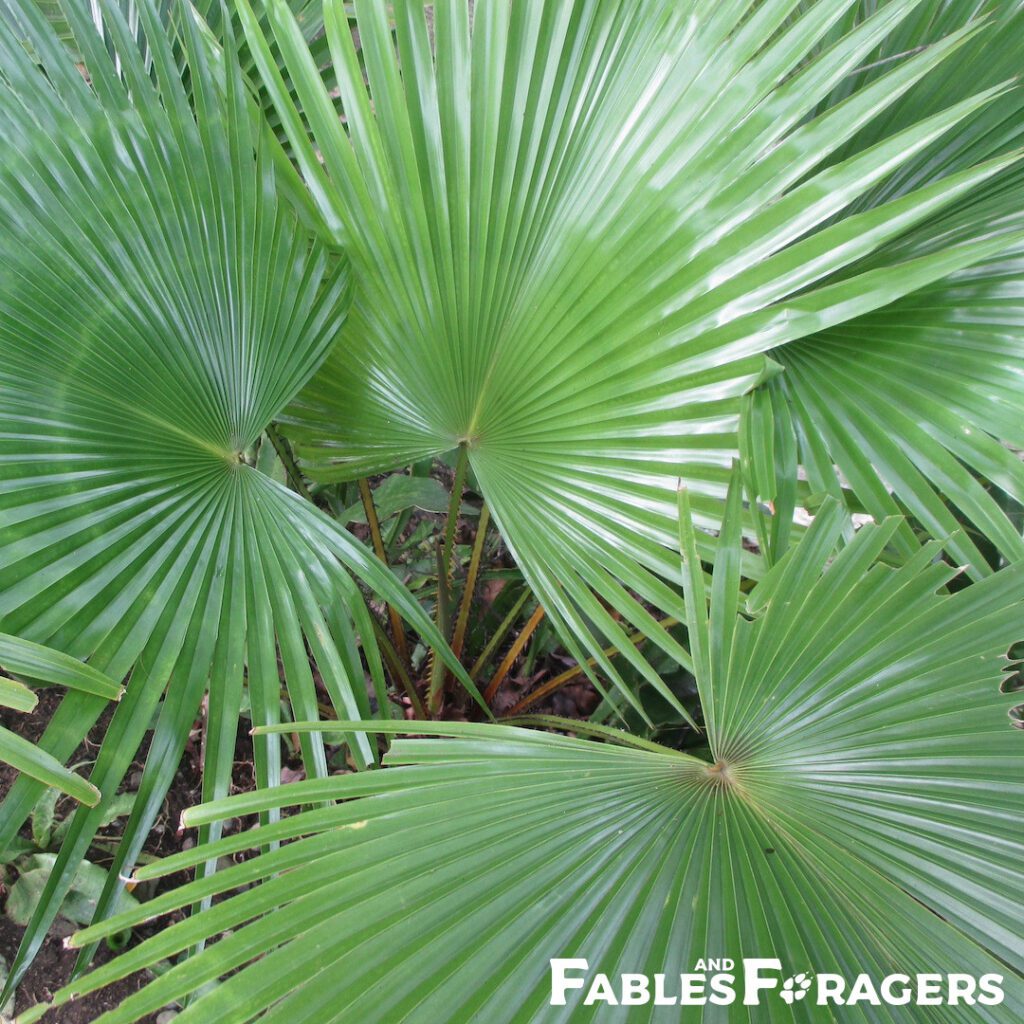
<point x="576" y="230"/>
<point x="158" y="307"/>
<point x="24" y="660"/>
<point x="914" y="402"/>
<point x="857" y="814"/>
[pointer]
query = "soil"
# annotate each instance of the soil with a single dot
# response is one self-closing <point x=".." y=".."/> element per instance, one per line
<point x="52" y="968"/>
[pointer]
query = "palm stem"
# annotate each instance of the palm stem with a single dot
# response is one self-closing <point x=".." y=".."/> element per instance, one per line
<point x="499" y="635"/>
<point x="291" y="468"/>
<point x="397" y="667"/>
<point x="445" y="572"/>
<point x="397" y="629"/>
<point x="514" y="651"/>
<point x="459" y="637"/>
<point x="569" y="675"/>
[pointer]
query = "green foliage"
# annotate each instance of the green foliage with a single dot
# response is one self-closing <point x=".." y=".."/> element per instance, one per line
<point x="915" y="401"/>
<point x="158" y="305"/>
<point x="39" y="664"/>
<point x="857" y="807"/>
<point x="397" y="493"/>
<point x="603" y="250"/>
<point x="573" y="251"/>
<point x="79" y="904"/>
<point x="27" y="863"/>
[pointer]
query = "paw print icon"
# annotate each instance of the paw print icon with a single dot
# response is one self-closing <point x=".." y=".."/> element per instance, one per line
<point x="795" y="988"/>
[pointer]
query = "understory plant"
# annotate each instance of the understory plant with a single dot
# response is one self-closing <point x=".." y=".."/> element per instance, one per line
<point x="719" y="307"/>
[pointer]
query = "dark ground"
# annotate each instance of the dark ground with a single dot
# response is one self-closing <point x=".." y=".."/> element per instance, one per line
<point x="52" y="968"/>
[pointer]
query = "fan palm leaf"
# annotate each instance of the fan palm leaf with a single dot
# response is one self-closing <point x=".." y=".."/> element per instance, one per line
<point x="576" y="230"/>
<point x="916" y="402"/>
<point x="857" y="813"/>
<point x="158" y="306"/>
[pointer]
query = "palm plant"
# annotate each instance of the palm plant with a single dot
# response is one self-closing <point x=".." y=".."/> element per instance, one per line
<point x="597" y="248"/>
<point x="158" y="305"/>
<point x="930" y="416"/>
<point x="854" y="811"/>
<point x="578" y="237"/>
